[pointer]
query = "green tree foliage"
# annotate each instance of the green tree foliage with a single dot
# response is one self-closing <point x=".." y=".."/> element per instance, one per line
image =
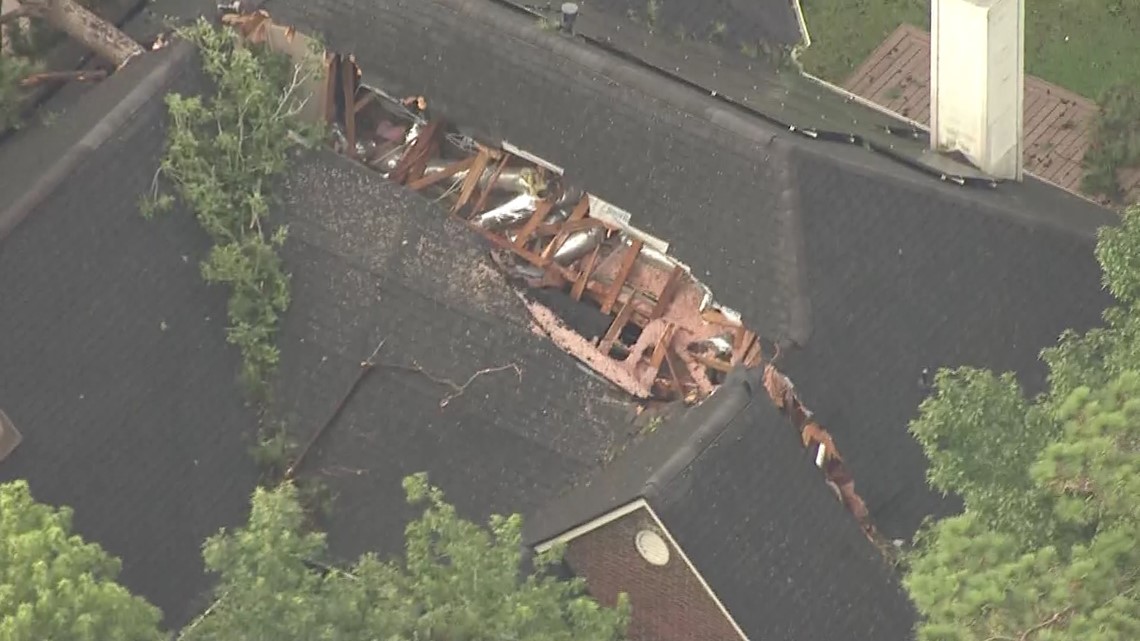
<point x="1115" y="139"/>
<point x="13" y="68"/>
<point x="222" y="154"/>
<point x="458" y="581"/>
<point x="53" y="585"/>
<point x="1046" y="549"/>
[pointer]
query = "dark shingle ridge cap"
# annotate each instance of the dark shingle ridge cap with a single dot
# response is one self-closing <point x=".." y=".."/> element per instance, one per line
<point x="151" y="85"/>
<point x="736" y="394"/>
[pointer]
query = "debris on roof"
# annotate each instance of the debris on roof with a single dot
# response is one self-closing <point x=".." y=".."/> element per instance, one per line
<point x="666" y="337"/>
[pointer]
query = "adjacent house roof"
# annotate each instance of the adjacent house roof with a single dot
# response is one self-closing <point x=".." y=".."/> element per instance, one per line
<point x="1057" y="121"/>
<point x="113" y="367"/>
<point x="863" y="262"/>
<point x="733" y="485"/>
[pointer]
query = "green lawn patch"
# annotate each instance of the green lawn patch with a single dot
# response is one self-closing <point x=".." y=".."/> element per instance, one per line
<point x="1083" y="45"/>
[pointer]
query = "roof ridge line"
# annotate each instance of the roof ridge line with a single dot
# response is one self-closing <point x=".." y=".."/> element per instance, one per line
<point x="103" y="130"/>
<point x="742" y="384"/>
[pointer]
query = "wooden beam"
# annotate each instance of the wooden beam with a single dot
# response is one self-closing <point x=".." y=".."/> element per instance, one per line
<point x="363" y="102"/>
<point x="584" y="277"/>
<point x="423" y="182"/>
<point x="418" y="151"/>
<point x="331" y="68"/>
<point x="504" y="243"/>
<point x="580" y="210"/>
<point x="486" y="192"/>
<point x="754" y="355"/>
<point x="615" y="327"/>
<point x="472" y="179"/>
<point x="713" y="363"/>
<point x="661" y="348"/>
<point x="741" y="344"/>
<point x="626" y="267"/>
<point x="668" y="293"/>
<point x="673" y="367"/>
<point x="540" y="213"/>
<point x="348" y="80"/>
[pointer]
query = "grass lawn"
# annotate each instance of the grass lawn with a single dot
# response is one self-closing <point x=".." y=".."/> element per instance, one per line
<point x="1102" y="49"/>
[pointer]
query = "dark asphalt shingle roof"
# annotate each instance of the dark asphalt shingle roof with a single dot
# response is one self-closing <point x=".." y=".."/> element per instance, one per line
<point x="115" y="370"/>
<point x="802" y="237"/>
<point x="732" y="484"/>
<point x="370" y="261"/>
<point x="733" y="22"/>
<point x="117" y="373"/>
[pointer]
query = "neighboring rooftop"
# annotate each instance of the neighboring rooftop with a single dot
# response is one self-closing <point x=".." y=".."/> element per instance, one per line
<point x="733" y="485"/>
<point x="114" y="367"/>
<point x="1058" y="122"/>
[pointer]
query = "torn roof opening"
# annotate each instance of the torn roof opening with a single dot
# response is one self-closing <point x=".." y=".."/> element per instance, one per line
<point x="604" y="291"/>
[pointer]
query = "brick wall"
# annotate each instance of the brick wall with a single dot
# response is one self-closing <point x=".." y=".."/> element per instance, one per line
<point x="669" y="603"/>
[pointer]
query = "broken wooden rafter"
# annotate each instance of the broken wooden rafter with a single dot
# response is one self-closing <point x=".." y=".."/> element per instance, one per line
<point x="662" y="346"/>
<point x="364" y="101"/>
<point x="481" y="203"/>
<point x="743" y="340"/>
<point x="673" y="372"/>
<point x="348" y="82"/>
<point x="418" y="152"/>
<point x="503" y="242"/>
<point x="627" y="261"/>
<point x="532" y="223"/>
<point x="713" y="363"/>
<point x="471" y="181"/>
<point x="584" y="277"/>
<point x="614" y="331"/>
<point x="37" y="79"/>
<point x="332" y="64"/>
<point x="425" y="181"/>
<point x="665" y="298"/>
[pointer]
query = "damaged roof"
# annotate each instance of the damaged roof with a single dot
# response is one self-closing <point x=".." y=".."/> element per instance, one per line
<point x="373" y="261"/>
<point x="733" y="485"/>
<point x="863" y="263"/>
<point x="117" y="374"/>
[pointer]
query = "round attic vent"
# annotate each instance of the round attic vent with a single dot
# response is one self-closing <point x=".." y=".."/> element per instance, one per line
<point x="652" y="547"/>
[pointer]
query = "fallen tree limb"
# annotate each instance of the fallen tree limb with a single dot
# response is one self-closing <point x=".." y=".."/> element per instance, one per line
<point x="38" y="79"/>
<point x="83" y="26"/>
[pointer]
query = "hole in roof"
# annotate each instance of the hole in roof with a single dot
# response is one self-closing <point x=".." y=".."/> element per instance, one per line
<point x="652" y="547"/>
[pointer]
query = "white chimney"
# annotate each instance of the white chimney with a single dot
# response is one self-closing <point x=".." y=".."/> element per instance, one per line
<point x="977" y="80"/>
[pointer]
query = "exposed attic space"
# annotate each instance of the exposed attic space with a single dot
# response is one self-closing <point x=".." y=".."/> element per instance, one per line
<point x="604" y="291"/>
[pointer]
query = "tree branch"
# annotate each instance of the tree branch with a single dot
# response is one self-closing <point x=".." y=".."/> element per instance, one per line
<point x="15" y="14"/>
<point x="457" y="389"/>
<point x="63" y="76"/>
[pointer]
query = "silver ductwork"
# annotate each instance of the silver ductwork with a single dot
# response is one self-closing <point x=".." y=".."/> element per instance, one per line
<point x="521" y="180"/>
<point x="509" y="213"/>
<point x="579" y="244"/>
